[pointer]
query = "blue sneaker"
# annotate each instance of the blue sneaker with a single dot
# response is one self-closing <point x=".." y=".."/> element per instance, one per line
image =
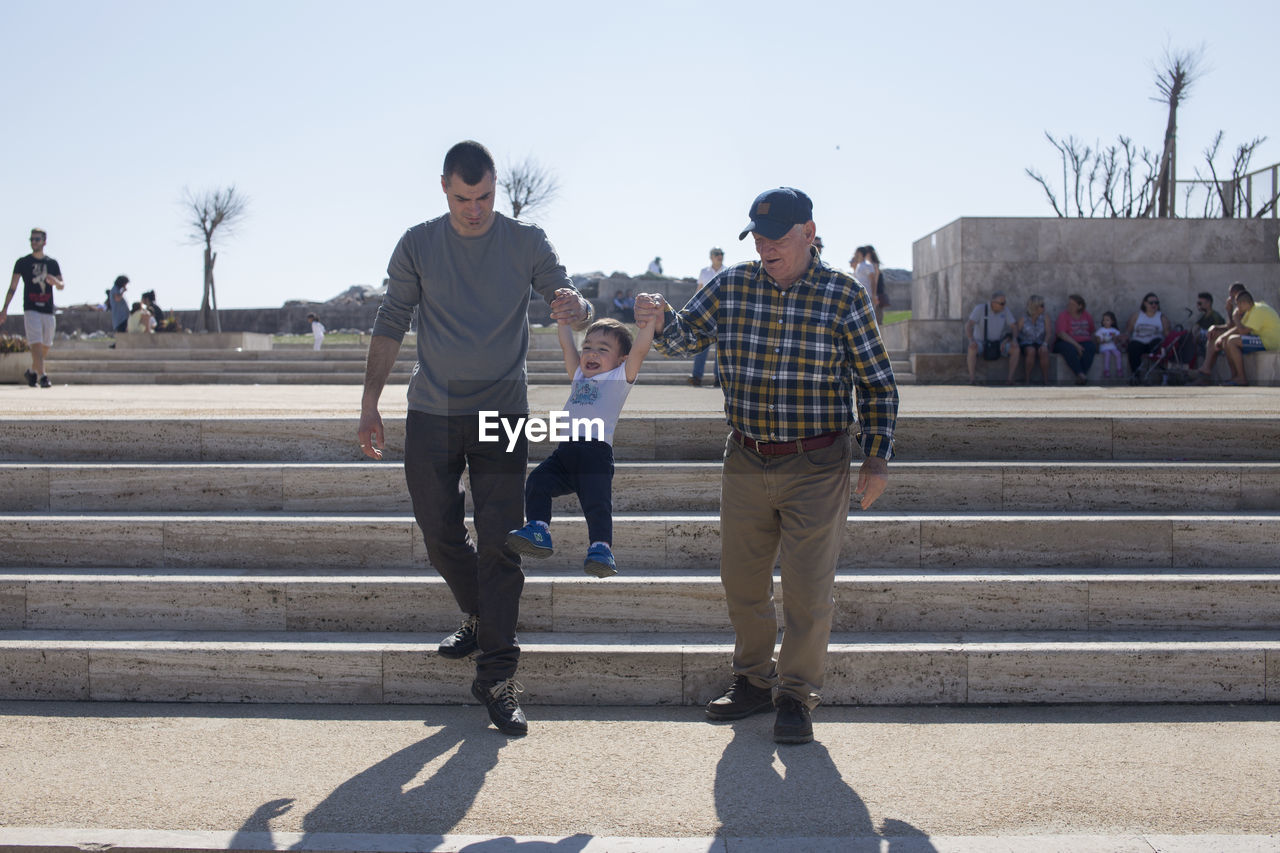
<point x="532" y="540"/>
<point x="599" y="561"/>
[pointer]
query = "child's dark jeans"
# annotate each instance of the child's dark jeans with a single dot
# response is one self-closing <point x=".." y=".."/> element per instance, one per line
<point x="584" y="467"/>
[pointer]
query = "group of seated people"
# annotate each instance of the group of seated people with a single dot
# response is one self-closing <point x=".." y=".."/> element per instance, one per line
<point x="1251" y="326"/>
<point x="992" y="333"/>
<point x="147" y="316"/>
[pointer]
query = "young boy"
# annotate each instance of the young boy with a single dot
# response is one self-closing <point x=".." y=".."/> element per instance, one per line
<point x="602" y="378"/>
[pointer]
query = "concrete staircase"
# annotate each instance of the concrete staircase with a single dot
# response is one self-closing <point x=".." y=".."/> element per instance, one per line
<point x="95" y="364"/>
<point x="903" y="369"/>
<point x="1062" y="559"/>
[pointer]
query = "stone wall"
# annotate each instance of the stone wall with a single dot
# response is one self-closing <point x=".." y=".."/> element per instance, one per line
<point x="343" y="313"/>
<point x="288" y="320"/>
<point x="600" y="290"/>
<point x="1110" y="262"/>
<point x="291" y="319"/>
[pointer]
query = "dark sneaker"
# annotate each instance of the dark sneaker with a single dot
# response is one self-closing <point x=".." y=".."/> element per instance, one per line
<point x="599" y="561"/>
<point x="793" y="723"/>
<point x="44" y="381"/>
<point x="31" y="377"/>
<point x="461" y="642"/>
<point x="532" y="540"/>
<point x="499" y="698"/>
<point x="742" y="699"/>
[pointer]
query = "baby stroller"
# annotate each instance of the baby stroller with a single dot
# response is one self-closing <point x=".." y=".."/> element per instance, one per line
<point x="1171" y="362"/>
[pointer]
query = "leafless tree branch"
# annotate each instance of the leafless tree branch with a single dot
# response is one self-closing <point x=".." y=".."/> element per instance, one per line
<point x="1240" y="168"/>
<point x="528" y="185"/>
<point x="1039" y="179"/>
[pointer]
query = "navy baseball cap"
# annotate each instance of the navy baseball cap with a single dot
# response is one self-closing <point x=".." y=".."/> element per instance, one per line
<point x="775" y="212"/>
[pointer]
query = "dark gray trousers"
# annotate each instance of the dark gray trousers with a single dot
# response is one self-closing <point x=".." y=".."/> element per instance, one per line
<point x="483" y="574"/>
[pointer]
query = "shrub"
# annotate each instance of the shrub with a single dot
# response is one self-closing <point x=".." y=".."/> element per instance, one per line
<point x="13" y="343"/>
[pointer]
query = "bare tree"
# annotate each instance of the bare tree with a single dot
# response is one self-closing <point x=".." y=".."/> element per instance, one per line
<point x="1224" y="197"/>
<point x="528" y="185"/>
<point x="212" y="213"/>
<point x="1135" y="203"/>
<point x="1075" y="155"/>
<point x="1174" y="79"/>
<point x="1101" y="182"/>
<point x="1039" y="179"/>
<point x="1229" y="198"/>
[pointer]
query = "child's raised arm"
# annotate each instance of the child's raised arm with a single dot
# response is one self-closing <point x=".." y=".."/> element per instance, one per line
<point x="639" y="349"/>
<point x="568" y="346"/>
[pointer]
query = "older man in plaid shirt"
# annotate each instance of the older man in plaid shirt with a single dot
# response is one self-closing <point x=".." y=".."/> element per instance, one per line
<point x="799" y="349"/>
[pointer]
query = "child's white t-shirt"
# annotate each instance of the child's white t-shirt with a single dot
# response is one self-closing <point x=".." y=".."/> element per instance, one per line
<point x="317" y="328"/>
<point x="1108" y="334"/>
<point x="601" y="396"/>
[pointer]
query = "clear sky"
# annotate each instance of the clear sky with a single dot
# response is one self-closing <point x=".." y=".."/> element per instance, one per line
<point x="661" y="120"/>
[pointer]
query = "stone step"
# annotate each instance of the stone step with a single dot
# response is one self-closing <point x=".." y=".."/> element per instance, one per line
<point x="354" y="376"/>
<point x="259" y="600"/>
<point x="74" y="368"/>
<point x="646" y="437"/>
<point x="631" y="669"/>
<point x="639" y="487"/>
<point x="346" y="377"/>
<point x="132" y="357"/>
<point x="642" y="543"/>
<point x="952" y="368"/>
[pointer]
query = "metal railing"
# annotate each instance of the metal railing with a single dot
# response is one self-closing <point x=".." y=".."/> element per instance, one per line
<point x="1242" y="197"/>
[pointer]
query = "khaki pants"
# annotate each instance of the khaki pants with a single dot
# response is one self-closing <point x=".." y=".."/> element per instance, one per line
<point x="788" y="509"/>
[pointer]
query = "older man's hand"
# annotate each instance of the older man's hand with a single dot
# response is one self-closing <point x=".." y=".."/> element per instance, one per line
<point x="873" y="477"/>
<point x="569" y="306"/>
<point x="649" y="309"/>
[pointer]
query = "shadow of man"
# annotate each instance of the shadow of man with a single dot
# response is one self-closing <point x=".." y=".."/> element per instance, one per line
<point x="507" y="844"/>
<point x="805" y="798"/>
<point x="393" y="797"/>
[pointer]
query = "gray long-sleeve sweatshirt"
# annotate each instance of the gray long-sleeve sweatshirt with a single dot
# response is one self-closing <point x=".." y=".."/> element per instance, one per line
<point x="472" y="296"/>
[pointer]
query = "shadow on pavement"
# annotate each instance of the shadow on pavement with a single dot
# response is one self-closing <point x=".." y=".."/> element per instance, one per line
<point x="393" y="797"/>
<point x="767" y="791"/>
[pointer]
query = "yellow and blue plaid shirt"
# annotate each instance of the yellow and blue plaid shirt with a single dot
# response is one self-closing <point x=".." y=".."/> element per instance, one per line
<point x="791" y="361"/>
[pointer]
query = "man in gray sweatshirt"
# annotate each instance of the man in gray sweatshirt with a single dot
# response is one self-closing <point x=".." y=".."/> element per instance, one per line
<point x="468" y="274"/>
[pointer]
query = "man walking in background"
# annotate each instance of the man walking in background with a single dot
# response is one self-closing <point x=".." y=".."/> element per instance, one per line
<point x="467" y="274"/>
<point x="40" y="274"/>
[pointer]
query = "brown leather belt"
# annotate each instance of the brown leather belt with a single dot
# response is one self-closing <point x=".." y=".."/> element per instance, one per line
<point x="786" y="448"/>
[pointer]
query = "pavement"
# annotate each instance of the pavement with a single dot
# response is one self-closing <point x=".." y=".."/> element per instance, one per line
<point x="79" y="776"/>
<point x="919" y="778"/>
